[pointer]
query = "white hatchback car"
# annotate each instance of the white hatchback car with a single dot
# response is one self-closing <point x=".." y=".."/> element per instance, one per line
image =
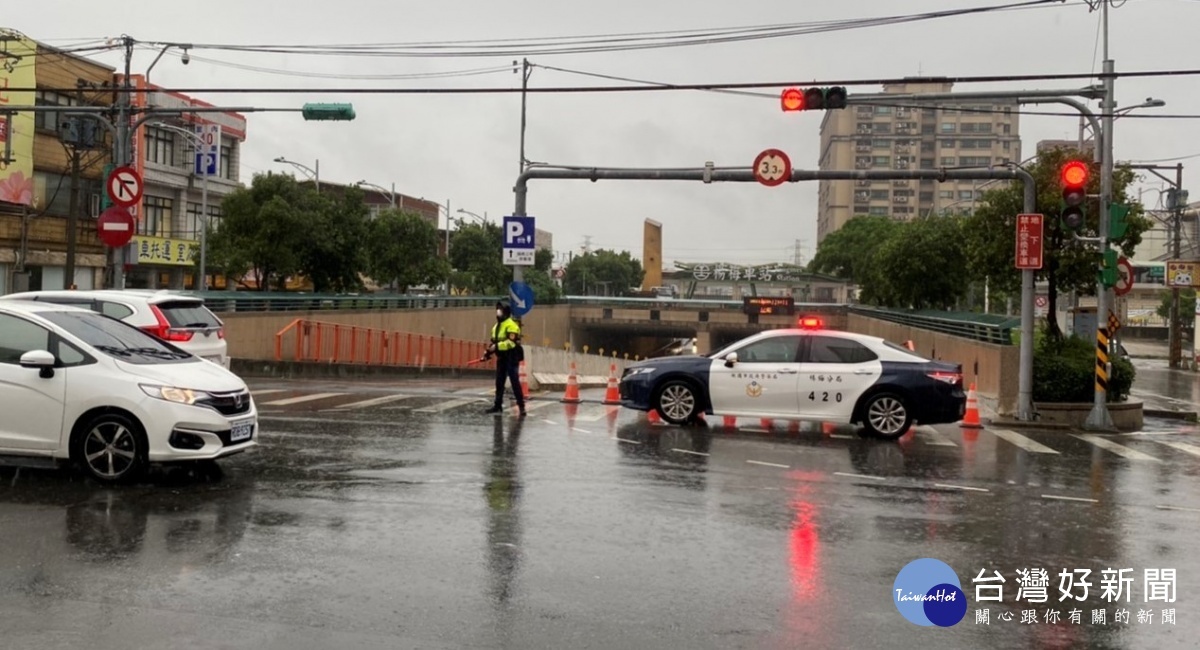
<point x="180" y="319"/>
<point x="79" y="386"/>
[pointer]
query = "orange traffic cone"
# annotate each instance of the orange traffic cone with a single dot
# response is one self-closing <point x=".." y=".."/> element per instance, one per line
<point x="730" y="422"/>
<point x="793" y="427"/>
<point x="653" y="416"/>
<point x="767" y="423"/>
<point x="524" y="381"/>
<point x="572" y="394"/>
<point x="613" y="394"/>
<point x="971" y="419"/>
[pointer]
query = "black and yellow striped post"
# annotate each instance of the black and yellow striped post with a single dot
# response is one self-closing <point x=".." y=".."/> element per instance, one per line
<point x="1102" y="360"/>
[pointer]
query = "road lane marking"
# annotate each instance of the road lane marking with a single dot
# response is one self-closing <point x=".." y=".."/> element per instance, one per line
<point x="447" y="405"/>
<point x="630" y="442"/>
<point x="577" y="429"/>
<point x="961" y="487"/>
<point x="1180" y="508"/>
<point x="759" y="462"/>
<point x="1181" y="446"/>
<point x="874" y="478"/>
<point x="689" y="451"/>
<point x="373" y="402"/>
<point x="1023" y="442"/>
<point x="533" y="406"/>
<point x="267" y="391"/>
<point x="841" y="436"/>
<point x="303" y="398"/>
<point x="1120" y="450"/>
<point x="1052" y="496"/>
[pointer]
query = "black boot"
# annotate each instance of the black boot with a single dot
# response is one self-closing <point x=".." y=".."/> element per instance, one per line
<point x="496" y="408"/>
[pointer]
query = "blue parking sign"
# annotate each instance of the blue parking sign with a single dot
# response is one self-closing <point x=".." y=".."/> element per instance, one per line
<point x="520" y="238"/>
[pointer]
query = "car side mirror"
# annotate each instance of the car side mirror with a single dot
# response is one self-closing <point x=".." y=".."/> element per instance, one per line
<point x="40" y="359"/>
<point x="730" y="359"/>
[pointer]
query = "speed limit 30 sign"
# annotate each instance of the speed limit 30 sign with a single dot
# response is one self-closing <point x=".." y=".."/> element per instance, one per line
<point x="772" y="167"/>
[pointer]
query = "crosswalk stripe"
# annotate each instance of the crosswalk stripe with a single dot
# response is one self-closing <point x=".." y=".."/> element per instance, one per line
<point x="1120" y="450"/>
<point x="1021" y="441"/>
<point x="533" y="406"/>
<point x="1181" y="446"/>
<point x="303" y="398"/>
<point x="447" y="405"/>
<point x="374" y="402"/>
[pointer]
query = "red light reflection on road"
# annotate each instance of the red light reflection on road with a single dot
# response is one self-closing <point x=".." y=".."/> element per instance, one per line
<point x="804" y="552"/>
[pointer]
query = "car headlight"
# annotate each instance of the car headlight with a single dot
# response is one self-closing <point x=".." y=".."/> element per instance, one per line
<point x="639" y="371"/>
<point x="173" y="394"/>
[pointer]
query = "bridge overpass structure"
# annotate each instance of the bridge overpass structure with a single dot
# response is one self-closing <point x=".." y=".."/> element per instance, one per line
<point x="624" y="329"/>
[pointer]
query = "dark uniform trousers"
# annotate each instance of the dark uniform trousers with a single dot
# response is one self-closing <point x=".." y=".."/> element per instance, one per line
<point x="508" y="366"/>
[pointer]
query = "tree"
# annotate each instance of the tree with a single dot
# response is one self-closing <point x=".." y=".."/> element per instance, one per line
<point x="403" y="250"/>
<point x="262" y="231"/>
<point x="920" y="265"/>
<point x="545" y="289"/>
<point x="850" y="253"/>
<point x="606" y="271"/>
<point x="1187" y="303"/>
<point x="475" y="252"/>
<point x="1070" y="265"/>
<point x="334" y="254"/>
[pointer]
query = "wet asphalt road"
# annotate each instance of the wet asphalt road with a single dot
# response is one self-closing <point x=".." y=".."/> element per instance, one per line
<point x="399" y="516"/>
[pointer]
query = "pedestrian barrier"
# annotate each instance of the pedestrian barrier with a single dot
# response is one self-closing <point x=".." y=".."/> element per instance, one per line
<point x="323" y="342"/>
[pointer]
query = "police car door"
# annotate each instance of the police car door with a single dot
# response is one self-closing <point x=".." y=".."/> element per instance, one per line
<point x="762" y="382"/>
<point x="834" y="373"/>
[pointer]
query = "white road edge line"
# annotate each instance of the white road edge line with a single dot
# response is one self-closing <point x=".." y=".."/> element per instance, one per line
<point x="631" y="442"/>
<point x="1052" y="496"/>
<point x="961" y="487"/>
<point x="689" y="451"/>
<point x="759" y="462"/>
<point x="874" y="478"/>
<point x="1178" y="508"/>
<point x="580" y="430"/>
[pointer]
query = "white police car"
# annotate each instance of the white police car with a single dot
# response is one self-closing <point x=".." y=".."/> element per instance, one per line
<point x="808" y="373"/>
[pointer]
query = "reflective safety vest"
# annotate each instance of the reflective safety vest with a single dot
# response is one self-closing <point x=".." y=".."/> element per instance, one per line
<point x="506" y="335"/>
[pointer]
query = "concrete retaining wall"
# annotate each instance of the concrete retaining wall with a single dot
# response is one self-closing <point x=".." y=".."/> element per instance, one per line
<point x="548" y="368"/>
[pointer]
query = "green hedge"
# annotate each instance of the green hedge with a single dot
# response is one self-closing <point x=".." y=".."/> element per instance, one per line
<point x="1064" y="371"/>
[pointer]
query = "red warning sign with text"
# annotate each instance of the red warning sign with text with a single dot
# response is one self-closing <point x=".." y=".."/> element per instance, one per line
<point x="1030" y="241"/>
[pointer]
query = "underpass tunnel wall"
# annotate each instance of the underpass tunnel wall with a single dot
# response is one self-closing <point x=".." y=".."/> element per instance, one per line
<point x="636" y="342"/>
<point x="993" y="368"/>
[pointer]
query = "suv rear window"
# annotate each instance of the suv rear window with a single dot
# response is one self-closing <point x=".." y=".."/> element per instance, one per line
<point x="188" y="314"/>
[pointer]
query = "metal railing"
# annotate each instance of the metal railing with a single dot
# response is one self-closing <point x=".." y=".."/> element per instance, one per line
<point x="253" y="301"/>
<point x="337" y="343"/>
<point x="987" y="328"/>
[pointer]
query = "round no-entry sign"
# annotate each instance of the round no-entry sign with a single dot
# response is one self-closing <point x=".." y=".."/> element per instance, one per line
<point x="1125" y="278"/>
<point x="115" y="227"/>
<point x="772" y="167"/>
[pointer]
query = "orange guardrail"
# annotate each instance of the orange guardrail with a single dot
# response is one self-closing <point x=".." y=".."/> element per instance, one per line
<point x="318" y="341"/>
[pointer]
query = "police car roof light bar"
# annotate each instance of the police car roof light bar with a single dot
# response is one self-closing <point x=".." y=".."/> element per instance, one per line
<point x="810" y="322"/>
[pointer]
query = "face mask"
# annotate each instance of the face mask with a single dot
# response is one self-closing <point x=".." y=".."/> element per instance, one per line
<point x="499" y="314"/>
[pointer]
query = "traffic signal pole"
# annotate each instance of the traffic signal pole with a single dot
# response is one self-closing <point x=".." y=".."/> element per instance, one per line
<point x="746" y="175"/>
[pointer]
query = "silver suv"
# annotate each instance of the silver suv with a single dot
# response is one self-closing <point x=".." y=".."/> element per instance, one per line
<point x="182" y="320"/>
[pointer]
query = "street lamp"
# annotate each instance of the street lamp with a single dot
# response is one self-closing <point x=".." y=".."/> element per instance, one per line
<point x="314" y="174"/>
<point x="198" y="144"/>
<point x="483" y="219"/>
<point x="1150" y="102"/>
<point x="391" y="193"/>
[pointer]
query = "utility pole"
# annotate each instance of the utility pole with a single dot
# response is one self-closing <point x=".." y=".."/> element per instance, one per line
<point x="123" y="150"/>
<point x="1099" y="418"/>
<point x="72" y="220"/>
<point x="1177" y="203"/>
<point x="526" y="71"/>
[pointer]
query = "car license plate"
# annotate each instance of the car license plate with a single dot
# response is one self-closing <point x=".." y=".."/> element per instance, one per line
<point x="241" y="431"/>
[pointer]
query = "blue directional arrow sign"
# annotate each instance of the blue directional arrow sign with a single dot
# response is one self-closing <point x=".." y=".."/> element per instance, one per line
<point x="520" y="295"/>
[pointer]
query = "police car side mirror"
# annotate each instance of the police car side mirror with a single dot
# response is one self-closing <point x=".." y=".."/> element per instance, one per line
<point x="730" y="359"/>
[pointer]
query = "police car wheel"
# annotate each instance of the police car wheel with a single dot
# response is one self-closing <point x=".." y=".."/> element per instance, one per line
<point x="887" y="416"/>
<point x="677" y="402"/>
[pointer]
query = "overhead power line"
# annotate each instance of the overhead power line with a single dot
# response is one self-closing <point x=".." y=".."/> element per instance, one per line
<point x="609" y="42"/>
<point x="966" y="79"/>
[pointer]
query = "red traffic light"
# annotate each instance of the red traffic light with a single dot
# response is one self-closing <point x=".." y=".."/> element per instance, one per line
<point x="1075" y="174"/>
<point x="792" y="99"/>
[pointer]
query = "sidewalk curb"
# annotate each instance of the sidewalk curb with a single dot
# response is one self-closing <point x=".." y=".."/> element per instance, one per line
<point x="1020" y="424"/>
<point x="1166" y="414"/>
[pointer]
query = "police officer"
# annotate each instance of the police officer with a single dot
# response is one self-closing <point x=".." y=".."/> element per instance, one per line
<point x="506" y="346"/>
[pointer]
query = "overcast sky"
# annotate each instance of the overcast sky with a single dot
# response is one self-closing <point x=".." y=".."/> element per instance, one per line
<point x="464" y="148"/>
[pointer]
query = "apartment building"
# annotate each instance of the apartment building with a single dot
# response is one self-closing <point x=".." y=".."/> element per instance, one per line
<point x="911" y="135"/>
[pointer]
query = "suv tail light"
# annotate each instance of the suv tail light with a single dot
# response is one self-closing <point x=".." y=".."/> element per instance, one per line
<point x="164" y="331"/>
<point x="221" y="333"/>
<point x="953" y="378"/>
